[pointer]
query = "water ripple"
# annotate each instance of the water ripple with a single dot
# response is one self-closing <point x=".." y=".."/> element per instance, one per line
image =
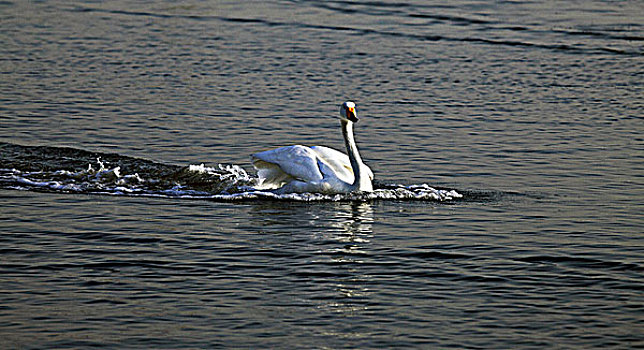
<point x="572" y="48"/>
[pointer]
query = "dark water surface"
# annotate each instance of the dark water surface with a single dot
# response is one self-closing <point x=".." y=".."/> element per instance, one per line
<point x="506" y="140"/>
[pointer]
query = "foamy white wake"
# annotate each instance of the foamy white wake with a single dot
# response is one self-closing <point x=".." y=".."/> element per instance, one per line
<point x="221" y="183"/>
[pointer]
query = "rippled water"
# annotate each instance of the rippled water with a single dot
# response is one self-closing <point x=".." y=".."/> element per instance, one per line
<point x="505" y="137"/>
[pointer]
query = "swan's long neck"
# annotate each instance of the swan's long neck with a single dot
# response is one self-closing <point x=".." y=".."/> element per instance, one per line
<point x="352" y="151"/>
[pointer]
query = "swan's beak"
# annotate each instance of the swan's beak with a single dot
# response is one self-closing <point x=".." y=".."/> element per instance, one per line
<point x="351" y="115"/>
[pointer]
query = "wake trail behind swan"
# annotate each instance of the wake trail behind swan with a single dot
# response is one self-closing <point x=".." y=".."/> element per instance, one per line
<point x="66" y="170"/>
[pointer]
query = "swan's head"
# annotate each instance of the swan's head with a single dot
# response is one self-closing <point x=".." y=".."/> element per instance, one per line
<point x="348" y="112"/>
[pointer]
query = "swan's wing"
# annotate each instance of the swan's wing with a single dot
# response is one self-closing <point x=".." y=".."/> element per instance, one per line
<point x="339" y="163"/>
<point x="270" y="175"/>
<point x="283" y="164"/>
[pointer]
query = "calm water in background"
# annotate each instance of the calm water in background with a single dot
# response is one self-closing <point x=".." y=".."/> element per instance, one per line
<point x="533" y="111"/>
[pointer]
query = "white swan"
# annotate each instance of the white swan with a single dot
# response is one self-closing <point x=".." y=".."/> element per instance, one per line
<point x="316" y="169"/>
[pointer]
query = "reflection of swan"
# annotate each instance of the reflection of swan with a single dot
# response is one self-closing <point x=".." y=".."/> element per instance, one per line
<point x="330" y="243"/>
<point x="318" y="168"/>
<point x="355" y="221"/>
<point x="329" y="223"/>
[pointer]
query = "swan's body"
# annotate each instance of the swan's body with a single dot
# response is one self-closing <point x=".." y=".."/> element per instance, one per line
<point x="316" y="169"/>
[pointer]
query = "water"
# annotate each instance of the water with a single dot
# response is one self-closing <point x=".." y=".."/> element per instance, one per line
<point x="506" y="140"/>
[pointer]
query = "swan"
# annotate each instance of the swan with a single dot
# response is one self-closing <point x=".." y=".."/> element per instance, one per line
<point x="316" y="169"/>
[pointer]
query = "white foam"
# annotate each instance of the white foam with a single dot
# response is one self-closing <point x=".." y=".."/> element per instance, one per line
<point x="223" y="171"/>
<point x="130" y="179"/>
<point x="201" y="168"/>
<point x="236" y="186"/>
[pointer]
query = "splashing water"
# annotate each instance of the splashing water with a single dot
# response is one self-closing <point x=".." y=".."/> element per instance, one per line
<point x="45" y="169"/>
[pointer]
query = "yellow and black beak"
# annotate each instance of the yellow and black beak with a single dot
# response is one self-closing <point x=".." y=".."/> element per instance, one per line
<point x="351" y="114"/>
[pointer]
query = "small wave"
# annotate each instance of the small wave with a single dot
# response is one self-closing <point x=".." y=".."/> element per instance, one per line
<point x="414" y="192"/>
<point x="583" y="262"/>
